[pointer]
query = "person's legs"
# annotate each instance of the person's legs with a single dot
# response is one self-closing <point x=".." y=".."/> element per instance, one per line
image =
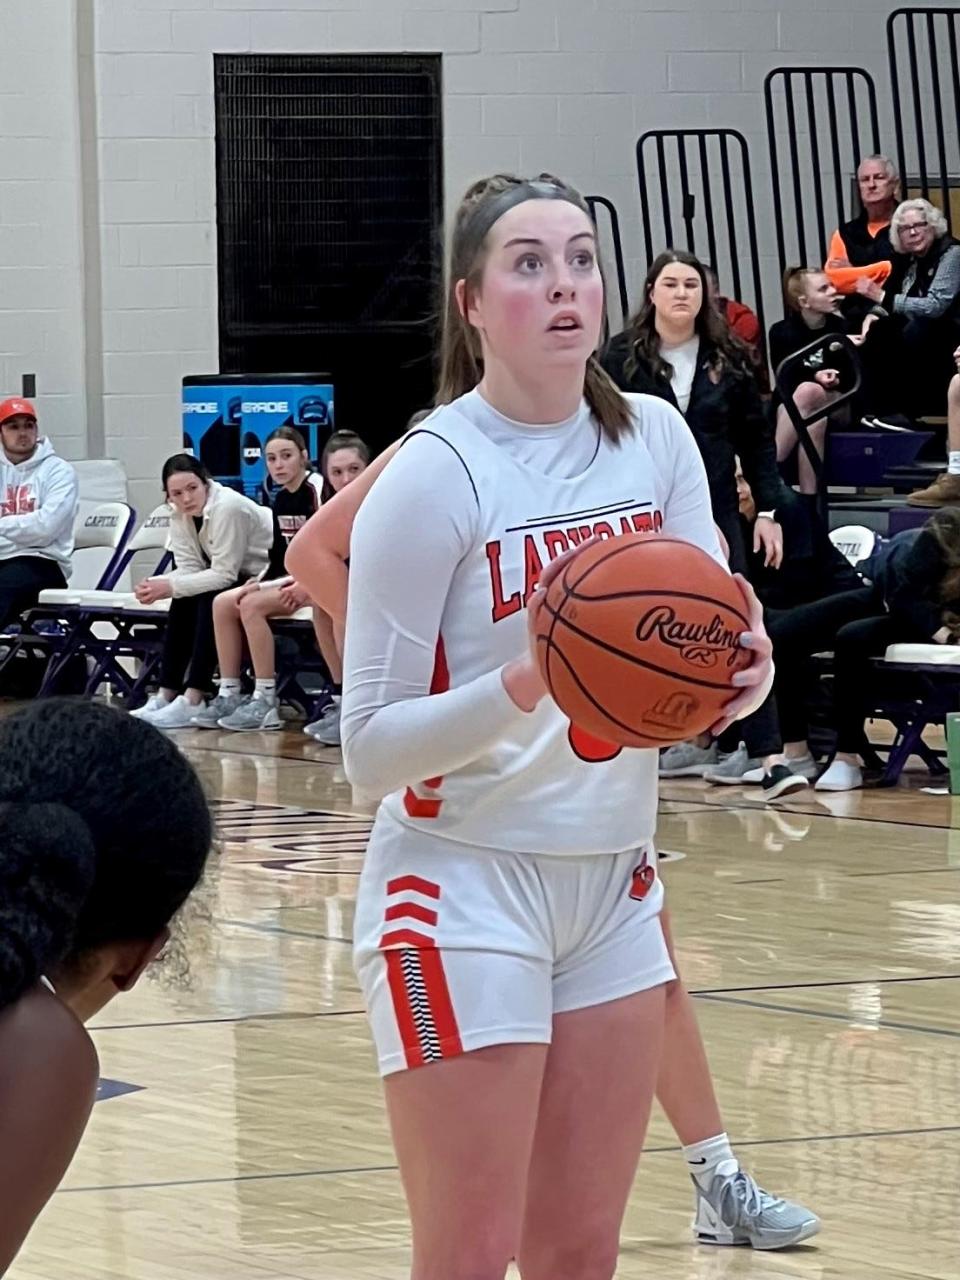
<point x="22" y="578"/>
<point x="725" y="1207"/>
<point x="593" y="1114"/>
<point x="463" y="1131"/>
<point x="261" y="711"/>
<point x="809" y="398"/>
<point x="203" y="655"/>
<point x="330" y="650"/>
<point x="326" y="730"/>
<point x="946" y="487"/>
<point x="853" y="677"/>
<point x="228" y="633"/>
<point x="177" y="645"/>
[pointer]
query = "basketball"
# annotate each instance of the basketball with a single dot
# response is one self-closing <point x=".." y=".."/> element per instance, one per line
<point x="638" y="640"/>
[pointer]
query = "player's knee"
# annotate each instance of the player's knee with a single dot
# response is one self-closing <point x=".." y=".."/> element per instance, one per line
<point x="810" y="395"/>
<point x="470" y="1260"/>
<point x="591" y="1255"/>
<point x="250" y="605"/>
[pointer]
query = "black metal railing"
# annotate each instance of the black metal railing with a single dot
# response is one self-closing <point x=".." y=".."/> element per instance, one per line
<point x="926" y="99"/>
<point x="835" y="106"/>
<point x="616" y="240"/>
<point x="705" y="175"/>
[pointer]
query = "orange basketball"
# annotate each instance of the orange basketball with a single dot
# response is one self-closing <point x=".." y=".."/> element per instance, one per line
<point x="639" y="639"/>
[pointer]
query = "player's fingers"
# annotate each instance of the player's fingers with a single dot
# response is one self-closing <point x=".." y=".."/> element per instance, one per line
<point x="754" y="607"/>
<point x="553" y="567"/>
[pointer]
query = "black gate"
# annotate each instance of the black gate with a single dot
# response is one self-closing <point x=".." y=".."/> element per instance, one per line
<point x="616" y="243"/>
<point x="826" y="120"/>
<point x="706" y="204"/>
<point x="922" y="47"/>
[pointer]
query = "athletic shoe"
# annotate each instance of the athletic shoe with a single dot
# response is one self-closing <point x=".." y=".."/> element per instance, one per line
<point x="151" y="705"/>
<point x="840" y="777"/>
<point x="944" y="491"/>
<point x="687" y="760"/>
<point x="780" y="781"/>
<point x="254" y="716"/>
<point x="224" y="704"/>
<point x="326" y="730"/>
<point x="803" y="766"/>
<point x="893" y="422"/>
<point x="734" y="1210"/>
<point x="177" y="714"/>
<point x="730" y="771"/>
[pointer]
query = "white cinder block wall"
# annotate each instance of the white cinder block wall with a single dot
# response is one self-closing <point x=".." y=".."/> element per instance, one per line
<point x="564" y="85"/>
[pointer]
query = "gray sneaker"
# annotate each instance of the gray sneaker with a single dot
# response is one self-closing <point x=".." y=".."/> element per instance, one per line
<point x="254" y="716"/>
<point x="326" y="730"/>
<point x="734" y="1210"/>
<point x="687" y="760"/>
<point x="729" y="772"/>
<point x="224" y="704"/>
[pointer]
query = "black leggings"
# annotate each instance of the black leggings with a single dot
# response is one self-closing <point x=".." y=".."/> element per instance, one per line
<point x="22" y="578"/>
<point x="798" y="634"/>
<point x="189" y="648"/>
<point x="855" y="679"/>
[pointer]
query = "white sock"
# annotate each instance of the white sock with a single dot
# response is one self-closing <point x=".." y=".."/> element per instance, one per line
<point x="228" y="686"/>
<point x="265" y="689"/>
<point x="706" y="1159"/>
<point x="953" y="463"/>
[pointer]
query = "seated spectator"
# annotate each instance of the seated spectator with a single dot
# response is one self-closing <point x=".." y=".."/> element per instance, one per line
<point x="916" y="576"/>
<point x="861" y="249"/>
<point x="345" y="456"/>
<point x="741" y="320"/>
<point x="925" y="304"/>
<point x="805" y="600"/>
<point x="678" y="347"/>
<point x="219" y="539"/>
<point x="38" y="507"/>
<point x="813" y="310"/>
<point x="946" y="488"/>
<point x="243" y="613"/>
<point x="104" y="833"/>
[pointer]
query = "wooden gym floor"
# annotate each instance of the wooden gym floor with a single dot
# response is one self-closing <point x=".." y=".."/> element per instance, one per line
<point x="241" y="1134"/>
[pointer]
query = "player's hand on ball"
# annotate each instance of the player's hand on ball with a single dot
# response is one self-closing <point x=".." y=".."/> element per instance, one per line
<point x="522" y="679"/>
<point x="761" y="668"/>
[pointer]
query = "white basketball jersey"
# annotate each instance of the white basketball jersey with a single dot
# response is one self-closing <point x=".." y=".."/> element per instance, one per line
<point x="548" y="788"/>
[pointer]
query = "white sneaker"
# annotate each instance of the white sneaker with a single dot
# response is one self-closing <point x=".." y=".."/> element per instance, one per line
<point x="840" y="777"/>
<point x="253" y="716"/>
<point x="177" y="714"/>
<point x="152" y="704"/>
<point x="326" y="730"/>
<point x="687" y="760"/>
<point x="734" y="1210"/>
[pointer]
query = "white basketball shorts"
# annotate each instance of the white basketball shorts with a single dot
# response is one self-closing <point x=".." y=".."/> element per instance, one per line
<point x="458" y="948"/>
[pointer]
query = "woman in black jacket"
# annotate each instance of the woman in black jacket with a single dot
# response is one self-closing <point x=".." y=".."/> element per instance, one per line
<point x="916" y="578"/>
<point x="679" y="348"/>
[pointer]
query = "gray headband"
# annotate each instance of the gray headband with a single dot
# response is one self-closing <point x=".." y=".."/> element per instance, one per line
<point x="488" y="212"/>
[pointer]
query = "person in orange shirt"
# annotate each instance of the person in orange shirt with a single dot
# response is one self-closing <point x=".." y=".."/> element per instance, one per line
<point x="861" y="250"/>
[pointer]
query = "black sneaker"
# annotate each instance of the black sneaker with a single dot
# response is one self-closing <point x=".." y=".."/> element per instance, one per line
<point x="779" y="781"/>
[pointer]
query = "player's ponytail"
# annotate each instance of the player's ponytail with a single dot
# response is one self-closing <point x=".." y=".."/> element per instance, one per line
<point x="461" y="359"/>
<point x="47" y="869"/>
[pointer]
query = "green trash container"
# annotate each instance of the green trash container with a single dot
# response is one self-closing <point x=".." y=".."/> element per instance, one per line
<point x="953" y="751"/>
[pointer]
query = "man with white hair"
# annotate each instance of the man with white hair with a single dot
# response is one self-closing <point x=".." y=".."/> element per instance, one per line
<point x="861" y="250"/>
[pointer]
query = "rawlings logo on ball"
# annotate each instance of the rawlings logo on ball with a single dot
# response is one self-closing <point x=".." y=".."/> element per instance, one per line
<point x="700" y="643"/>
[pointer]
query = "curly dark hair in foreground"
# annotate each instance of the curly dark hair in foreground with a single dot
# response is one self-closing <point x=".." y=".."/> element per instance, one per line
<point x="104" y="832"/>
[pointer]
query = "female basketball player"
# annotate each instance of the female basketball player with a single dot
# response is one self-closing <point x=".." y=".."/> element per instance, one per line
<point x="104" y="831"/>
<point x="521" y="815"/>
<point x="243" y="613"/>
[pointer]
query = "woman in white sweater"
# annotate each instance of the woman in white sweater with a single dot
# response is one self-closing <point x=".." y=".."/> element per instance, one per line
<point x="219" y="539"/>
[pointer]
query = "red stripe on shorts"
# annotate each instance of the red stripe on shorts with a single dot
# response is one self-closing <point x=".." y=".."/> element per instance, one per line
<point x="409" y="1035"/>
<point x="441" y="1006"/>
<point x="413" y="910"/>
<point x="413" y="884"/>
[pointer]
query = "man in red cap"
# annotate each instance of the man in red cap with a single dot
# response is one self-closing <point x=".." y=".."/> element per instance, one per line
<point x="38" y="505"/>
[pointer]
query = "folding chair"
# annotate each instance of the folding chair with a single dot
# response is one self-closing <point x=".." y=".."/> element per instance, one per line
<point x="101" y="535"/>
<point x="106" y="625"/>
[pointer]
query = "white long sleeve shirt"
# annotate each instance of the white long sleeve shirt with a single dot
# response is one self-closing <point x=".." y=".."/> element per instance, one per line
<point x="38" y="506"/>
<point x="445" y="551"/>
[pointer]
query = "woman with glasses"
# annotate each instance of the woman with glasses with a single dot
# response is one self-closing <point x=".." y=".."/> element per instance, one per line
<point x="924" y="298"/>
